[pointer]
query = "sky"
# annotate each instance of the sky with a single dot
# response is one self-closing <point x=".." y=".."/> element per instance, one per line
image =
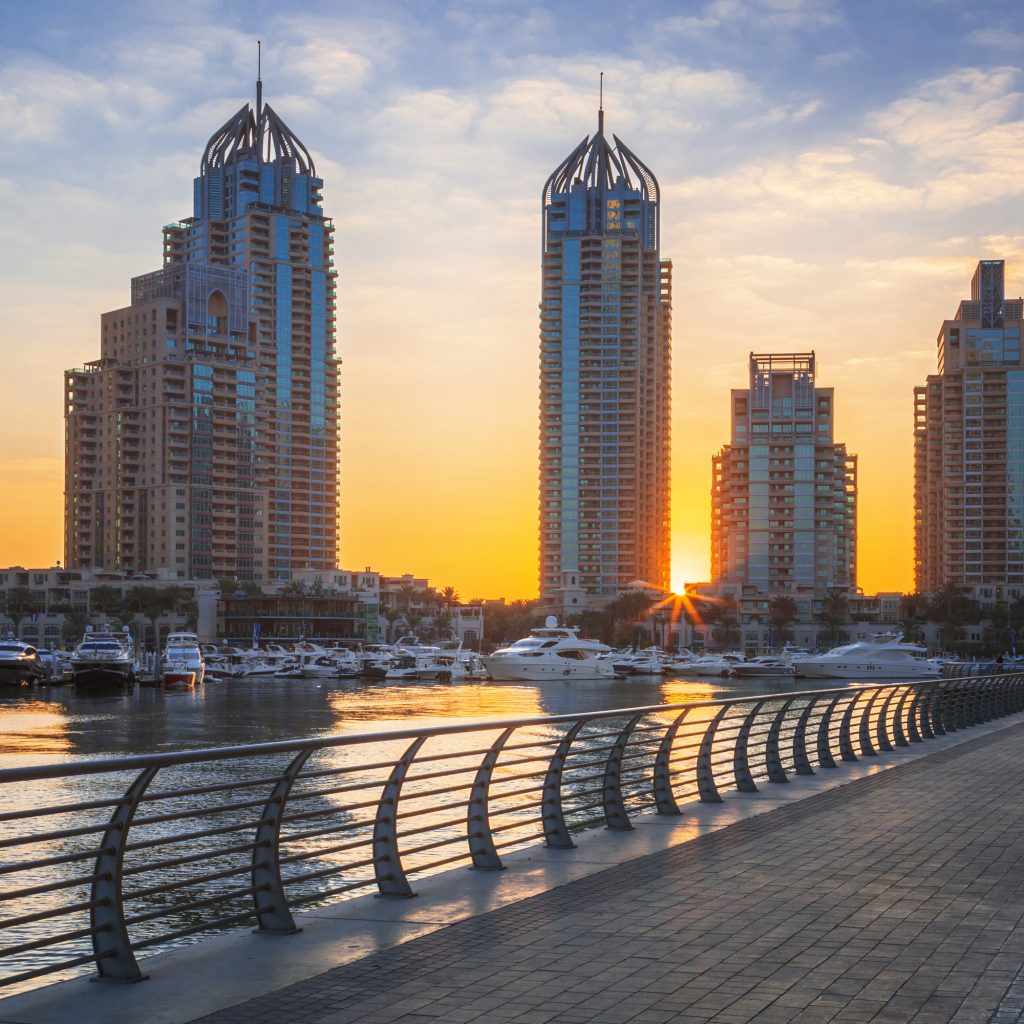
<point x="831" y="172"/>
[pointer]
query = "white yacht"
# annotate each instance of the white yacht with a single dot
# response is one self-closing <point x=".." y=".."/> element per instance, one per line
<point x="183" y="664"/>
<point x="648" y="662"/>
<point x="885" y="656"/>
<point x="20" y="664"/>
<point x="551" y="652"/>
<point x="104" y="660"/>
<point x="714" y="665"/>
<point x="764" y="665"/>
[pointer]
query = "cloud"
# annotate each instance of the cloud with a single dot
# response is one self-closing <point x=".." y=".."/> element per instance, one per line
<point x="802" y="15"/>
<point x="996" y="39"/>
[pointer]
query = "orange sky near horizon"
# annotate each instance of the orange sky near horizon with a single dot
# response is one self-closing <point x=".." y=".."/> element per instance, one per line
<point x="818" y="204"/>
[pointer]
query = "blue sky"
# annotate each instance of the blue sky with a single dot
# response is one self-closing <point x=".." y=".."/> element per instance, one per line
<point x="830" y="172"/>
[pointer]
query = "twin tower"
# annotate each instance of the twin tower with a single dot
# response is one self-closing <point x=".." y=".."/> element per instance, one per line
<point x="203" y="443"/>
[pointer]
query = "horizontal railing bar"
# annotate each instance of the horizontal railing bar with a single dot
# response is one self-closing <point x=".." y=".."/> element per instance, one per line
<point x="451" y="823"/>
<point x="173" y="862"/>
<point x="46" y="915"/>
<point x="64" y="770"/>
<point x="352" y="787"/>
<point x="298" y="901"/>
<point x="431" y="865"/>
<point x="64" y="965"/>
<point x="335" y="869"/>
<point x="47" y="837"/>
<point x="323" y="851"/>
<point x="149" y="844"/>
<point x="351" y="826"/>
<point x="222" y="922"/>
<point x="45" y="862"/>
<point x="210" y="901"/>
<point x="36" y="890"/>
<point x="49" y="940"/>
<point x="39" y="812"/>
<point x="184" y="883"/>
<point x="321" y="812"/>
<point x="431" y="809"/>
<point x="219" y="787"/>
<point x="199" y="812"/>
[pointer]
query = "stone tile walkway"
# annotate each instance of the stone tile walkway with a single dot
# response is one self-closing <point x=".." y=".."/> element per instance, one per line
<point x="897" y="898"/>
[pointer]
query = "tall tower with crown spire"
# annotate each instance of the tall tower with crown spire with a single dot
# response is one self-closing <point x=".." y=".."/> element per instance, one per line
<point x="605" y="390"/>
<point x="203" y="441"/>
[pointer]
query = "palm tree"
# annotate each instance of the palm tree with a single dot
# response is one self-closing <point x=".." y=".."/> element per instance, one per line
<point x="106" y="601"/>
<point x="18" y="605"/>
<point x="835" y="612"/>
<point x="450" y="596"/>
<point x="950" y="607"/>
<point x="782" y="612"/>
<point x="913" y="614"/>
<point x="726" y="618"/>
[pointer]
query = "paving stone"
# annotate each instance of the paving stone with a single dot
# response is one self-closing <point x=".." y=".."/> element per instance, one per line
<point x="895" y="898"/>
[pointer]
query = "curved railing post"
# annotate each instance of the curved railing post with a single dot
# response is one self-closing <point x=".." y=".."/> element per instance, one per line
<point x="272" y="911"/>
<point x="740" y="760"/>
<point x="845" y="730"/>
<point x="926" y="719"/>
<point x="867" y="748"/>
<point x="664" y="798"/>
<point x="947" y="707"/>
<point x="772" y="760"/>
<point x="824" y="742"/>
<point x="899" y="734"/>
<point x="387" y="859"/>
<point x="556" y="833"/>
<point x="705" y="769"/>
<point x="801" y="761"/>
<point x="478" y="810"/>
<point x="111" y="944"/>
<point x="882" y="741"/>
<point x="615" y="815"/>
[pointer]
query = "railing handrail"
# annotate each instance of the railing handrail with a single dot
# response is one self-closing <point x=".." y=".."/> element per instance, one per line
<point x="33" y="773"/>
<point x="303" y="832"/>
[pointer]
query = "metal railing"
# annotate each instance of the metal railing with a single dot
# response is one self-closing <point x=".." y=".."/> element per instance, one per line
<point x="112" y="858"/>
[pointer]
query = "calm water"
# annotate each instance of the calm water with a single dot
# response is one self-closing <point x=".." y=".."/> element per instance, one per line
<point x="54" y="725"/>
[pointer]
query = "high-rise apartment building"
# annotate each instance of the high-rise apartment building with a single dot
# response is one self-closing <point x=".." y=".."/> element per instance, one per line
<point x="783" y="492"/>
<point x="204" y="439"/>
<point x="969" y="445"/>
<point x="605" y="361"/>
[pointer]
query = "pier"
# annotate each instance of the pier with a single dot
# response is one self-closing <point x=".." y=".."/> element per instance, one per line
<point x="885" y="888"/>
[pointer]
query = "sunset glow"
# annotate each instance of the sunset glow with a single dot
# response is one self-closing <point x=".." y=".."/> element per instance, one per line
<point x="813" y="199"/>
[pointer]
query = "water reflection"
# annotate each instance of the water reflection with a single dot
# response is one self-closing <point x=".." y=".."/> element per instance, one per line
<point x="56" y="724"/>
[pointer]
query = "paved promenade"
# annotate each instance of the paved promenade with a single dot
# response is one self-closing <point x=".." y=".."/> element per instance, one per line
<point x="895" y="897"/>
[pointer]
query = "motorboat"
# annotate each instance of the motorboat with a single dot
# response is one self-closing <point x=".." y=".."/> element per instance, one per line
<point x="104" y="660"/>
<point x="764" y="665"/>
<point x="20" y="664"/>
<point x="885" y="656"/>
<point x="714" y="665"/>
<point x="551" y="652"/>
<point x="182" y="665"/>
<point x="648" y="662"/>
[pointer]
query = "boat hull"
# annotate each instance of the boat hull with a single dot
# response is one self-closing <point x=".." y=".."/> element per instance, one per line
<point x="504" y="671"/>
<point x="864" y="670"/>
<point x="106" y="678"/>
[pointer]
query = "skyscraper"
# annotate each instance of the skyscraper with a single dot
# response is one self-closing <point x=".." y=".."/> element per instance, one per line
<point x="605" y="361"/>
<point x="203" y="441"/>
<point x="783" y="493"/>
<point x="969" y="445"/>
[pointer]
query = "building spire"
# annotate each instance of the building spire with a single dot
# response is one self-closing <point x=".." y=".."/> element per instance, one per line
<point x="259" y="80"/>
<point x="600" y="106"/>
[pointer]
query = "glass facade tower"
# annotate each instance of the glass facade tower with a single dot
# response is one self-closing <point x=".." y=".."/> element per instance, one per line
<point x="204" y="439"/>
<point x="969" y="445"/>
<point x="605" y="362"/>
<point x="783" y="493"/>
